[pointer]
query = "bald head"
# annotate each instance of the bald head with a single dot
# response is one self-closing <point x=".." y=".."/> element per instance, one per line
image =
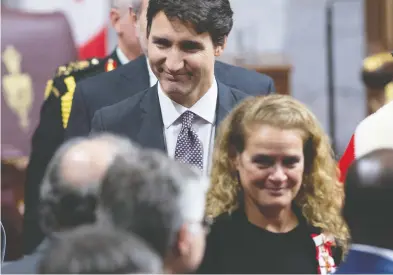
<point x="372" y="171"/>
<point x="73" y="178"/>
<point x="369" y="198"/>
<point x="86" y="162"/>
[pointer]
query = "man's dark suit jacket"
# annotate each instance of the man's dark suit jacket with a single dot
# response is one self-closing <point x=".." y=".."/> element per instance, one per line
<point x="109" y="88"/>
<point x="28" y="264"/>
<point x="358" y="262"/>
<point x="139" y="117"/>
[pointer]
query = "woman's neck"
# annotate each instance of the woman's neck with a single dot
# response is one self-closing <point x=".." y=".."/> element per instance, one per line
<point x="276" y="220"/>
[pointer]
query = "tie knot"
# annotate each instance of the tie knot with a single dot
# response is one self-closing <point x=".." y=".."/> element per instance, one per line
<point x="187" y="118"/>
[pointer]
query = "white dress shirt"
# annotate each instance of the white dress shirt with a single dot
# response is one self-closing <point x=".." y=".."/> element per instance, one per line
<point x="124" y="60"/>
<point x="382" y="252"/>
<point x="204" y="122"/>
<point x="122" y="57"/>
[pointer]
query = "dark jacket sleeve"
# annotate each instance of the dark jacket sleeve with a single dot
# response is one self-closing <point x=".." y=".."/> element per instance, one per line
<point x="47" y="137"/>
<point x="79" y="122"/>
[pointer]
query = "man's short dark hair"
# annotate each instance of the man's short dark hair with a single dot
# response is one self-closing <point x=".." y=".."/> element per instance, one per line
<point x="212" y="16"/>
<point x="99" y="250"/>
<point x="152" y="196"/>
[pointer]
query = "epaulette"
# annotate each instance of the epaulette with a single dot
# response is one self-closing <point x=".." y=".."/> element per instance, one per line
<point x="374" y="62"/>
<point x="64" y="83"/>
<point x="77" y="67"/>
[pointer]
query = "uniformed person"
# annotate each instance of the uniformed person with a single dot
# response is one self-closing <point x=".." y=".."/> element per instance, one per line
<point x="377" y="128"/>
<point x="56" y="108"/>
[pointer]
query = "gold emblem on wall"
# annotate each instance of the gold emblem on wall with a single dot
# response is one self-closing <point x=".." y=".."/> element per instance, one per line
<point x="17" y="87"/>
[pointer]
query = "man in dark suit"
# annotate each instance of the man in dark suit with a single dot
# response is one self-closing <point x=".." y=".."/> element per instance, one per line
<point x="70" y="188"/>
<point x="56" y="108"/>
<point x="180" y="113"/>
<point x="367" y="210"/>
<point x="106" y="89"/>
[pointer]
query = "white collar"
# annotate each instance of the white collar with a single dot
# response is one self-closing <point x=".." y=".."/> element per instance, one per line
<point x="205" y="107"/>
<point x="382" y="252"/>
<point x="122" y="57"/>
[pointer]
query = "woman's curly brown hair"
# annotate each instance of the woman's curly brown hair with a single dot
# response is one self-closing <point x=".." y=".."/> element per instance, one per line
<point x="321" y="197"/>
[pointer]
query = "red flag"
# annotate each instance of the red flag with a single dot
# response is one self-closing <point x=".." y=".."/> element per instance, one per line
<point x="88" y="20"/>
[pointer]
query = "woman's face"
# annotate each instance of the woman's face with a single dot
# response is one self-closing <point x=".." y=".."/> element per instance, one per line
<point x="271" y="166"/>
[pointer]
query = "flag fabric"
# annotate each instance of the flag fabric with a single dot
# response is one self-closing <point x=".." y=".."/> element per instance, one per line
<point x="88" y="20"/>
<point x="374" y="132"/>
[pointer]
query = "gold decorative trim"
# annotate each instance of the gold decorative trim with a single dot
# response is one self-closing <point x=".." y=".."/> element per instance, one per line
<point x="389" y="92"/>
<point x="19" y="162"/>
<point x="374" y="62"/>
<point x="48" y="88"/>
<point x="56" y="92"/>
<point x="66" y="100"/>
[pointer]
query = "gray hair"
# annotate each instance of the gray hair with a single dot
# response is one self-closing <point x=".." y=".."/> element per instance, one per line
<point x="124" y="4"/>
<point x="153" y="196"/>
<point x="65" y="204"/>
<point x="99" y="250"/>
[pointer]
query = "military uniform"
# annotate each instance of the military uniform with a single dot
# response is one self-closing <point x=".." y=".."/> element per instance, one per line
<point x="49" y="134"/>
<point x="375" y="130"/>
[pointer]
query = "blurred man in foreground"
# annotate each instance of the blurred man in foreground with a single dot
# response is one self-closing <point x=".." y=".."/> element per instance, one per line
<point x="70" y="189"/>
<point x="99" y="250"/>
<point x="163" y="202"/>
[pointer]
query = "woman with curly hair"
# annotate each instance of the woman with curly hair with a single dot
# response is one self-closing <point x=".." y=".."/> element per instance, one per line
<point x="275" y="194"/>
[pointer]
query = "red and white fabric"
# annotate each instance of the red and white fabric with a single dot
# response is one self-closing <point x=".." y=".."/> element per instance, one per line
<point x="88" y="20"/>
<point x="374" y="132"/>
<point x="323" y="244"/>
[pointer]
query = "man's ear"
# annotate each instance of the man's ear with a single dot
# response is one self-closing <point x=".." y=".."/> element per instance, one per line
<point x="220" y="49"/>
<point x="114" y="17"/>
<point x="134" y="16"/>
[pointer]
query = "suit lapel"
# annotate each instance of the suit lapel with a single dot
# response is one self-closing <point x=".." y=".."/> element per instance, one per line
<point x="225" y="102"/>
<point x="136" y="74"/>
<point x="151" y="132"/>
<point x="151" y="127"/>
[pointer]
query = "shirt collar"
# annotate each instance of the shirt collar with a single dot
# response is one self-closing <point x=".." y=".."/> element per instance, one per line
<point x="382" y="252"/>
<point x="205" y="107"/>
<point x="122" y="57"/>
